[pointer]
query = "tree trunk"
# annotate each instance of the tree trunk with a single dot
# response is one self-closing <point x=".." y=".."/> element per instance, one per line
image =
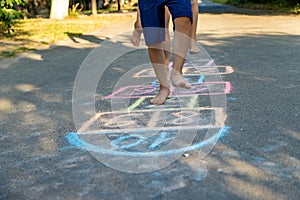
<point x="119" y="5"/>
<point x="94" y="7"/>
<point x="59" y="9"/>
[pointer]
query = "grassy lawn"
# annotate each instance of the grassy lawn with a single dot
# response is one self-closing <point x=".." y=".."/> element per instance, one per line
<point x="32" y="34"/>
<point x="272" y="7"/>
<point x="220" y="1"/>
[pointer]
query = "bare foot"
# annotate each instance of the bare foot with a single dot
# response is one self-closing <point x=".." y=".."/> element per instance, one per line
<point x="161" y="97"/>
<point x="136" y="37"/>
<point x="194" y="49"/>
<point x="178" y="80"/>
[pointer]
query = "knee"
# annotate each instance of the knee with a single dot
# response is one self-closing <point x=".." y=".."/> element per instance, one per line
<point x="185" y="22"/>
<point x="155" y="48"/>
<point x="195" y="6"/>
<point x="194" y="2"/>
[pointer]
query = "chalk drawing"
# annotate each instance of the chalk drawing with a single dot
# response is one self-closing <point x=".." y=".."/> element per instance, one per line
<point x="190" y="79"/>
<point x="75" y="140"/>
<point x="153" y="129"/>
<point x="118" y="142"/>
<point x="142" y="142"/>
<point x="147" y="91"/>
<point x="138" y="120"/>
<point x="144" y="131"/>
<point x="163" y="137"/>
<point x="173" y="102"/>
<point x="190" y="71"/>
<point x="204" y="70"/>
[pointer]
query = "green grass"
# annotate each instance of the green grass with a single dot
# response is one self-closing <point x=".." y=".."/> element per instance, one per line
<point x="113" y="9"/>
<point x="15" y="51"/>
<point x="220" y="1"/>
<point x="8" y="54"/>
<point x="36" y="33"/>
<point x="273" y="7"/>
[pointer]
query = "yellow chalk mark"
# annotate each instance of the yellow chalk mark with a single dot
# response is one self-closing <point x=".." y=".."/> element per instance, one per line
<point x="136" y="104"/>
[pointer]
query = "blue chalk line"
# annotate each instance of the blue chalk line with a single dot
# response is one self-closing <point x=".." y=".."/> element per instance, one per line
<point x="75" y="140"/>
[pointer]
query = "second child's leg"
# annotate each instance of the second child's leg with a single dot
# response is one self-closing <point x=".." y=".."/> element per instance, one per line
<point x="136" y="34"/>
<point x="166" y="43"/>
<point x="193" y="45"/>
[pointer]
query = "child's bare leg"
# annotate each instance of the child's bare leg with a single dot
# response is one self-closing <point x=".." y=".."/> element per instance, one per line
<point x="193" y="45"/>
<point x="166" y="43"/>
<point x="181" y="45"/>
<point x="166" y="48"/>
<point x="157" y="58"/>
<point x="136" y="37"/>
<point x="136" y="34"/>
<point x="161" y="70"/>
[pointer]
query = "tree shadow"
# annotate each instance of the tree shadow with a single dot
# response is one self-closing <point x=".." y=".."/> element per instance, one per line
<point x="89" y="38"/>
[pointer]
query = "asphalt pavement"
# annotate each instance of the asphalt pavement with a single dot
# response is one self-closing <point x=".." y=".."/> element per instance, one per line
<point x="257" y="55"/>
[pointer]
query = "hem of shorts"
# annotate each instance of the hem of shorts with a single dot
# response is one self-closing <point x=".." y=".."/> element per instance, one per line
<point x="183" y="15"/>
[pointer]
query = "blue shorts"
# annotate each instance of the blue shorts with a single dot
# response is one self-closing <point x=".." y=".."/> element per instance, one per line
<point x="152" y="14"/>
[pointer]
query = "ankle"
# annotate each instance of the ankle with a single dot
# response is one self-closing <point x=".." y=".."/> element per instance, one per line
<point x="177" y="70"/>
<point x="162" y="87"/>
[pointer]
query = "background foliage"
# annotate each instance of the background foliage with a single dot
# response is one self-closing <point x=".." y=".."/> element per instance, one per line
<point x="280" y="2"/>
<point x="9" y="12"/>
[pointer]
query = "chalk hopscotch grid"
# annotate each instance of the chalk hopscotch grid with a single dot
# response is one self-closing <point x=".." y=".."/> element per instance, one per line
<point x="110" y="121"/>
<point x="191" y="71"/>
<point x="130" y="137"/>
<point x="74" y="139"/>
<point x="148" y="91"/>
<point x="192" y="75"/>
<point x="128" y="121"/>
